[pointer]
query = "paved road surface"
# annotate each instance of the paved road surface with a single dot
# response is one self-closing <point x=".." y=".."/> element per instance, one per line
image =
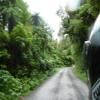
<point x="63" y="86"/>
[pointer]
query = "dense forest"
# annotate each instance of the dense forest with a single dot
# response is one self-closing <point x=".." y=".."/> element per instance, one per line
<point x="29" y="55"/>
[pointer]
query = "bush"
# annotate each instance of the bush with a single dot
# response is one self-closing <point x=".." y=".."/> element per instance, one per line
<point x="9" y="86"/>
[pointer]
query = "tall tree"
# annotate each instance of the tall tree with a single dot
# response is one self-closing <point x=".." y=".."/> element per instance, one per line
<point x="6" y="7"/>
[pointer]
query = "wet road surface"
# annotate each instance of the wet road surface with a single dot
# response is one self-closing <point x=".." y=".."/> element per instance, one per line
<point x="62" y="86"/>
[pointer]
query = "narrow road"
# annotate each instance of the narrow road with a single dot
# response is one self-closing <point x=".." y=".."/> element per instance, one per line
<point x="63" y="86"/>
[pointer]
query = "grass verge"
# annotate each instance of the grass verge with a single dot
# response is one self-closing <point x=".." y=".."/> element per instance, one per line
<point x="80" y="74"/>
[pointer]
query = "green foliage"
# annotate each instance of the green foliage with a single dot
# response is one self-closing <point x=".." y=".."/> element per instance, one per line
<point x="65" y="52"/>
<point x="77" y="26"/>
<point x="27" y="53"/>
<point x="9" y="86"/>
<point x="22" y="14"/>
<point x="6" y="11"/>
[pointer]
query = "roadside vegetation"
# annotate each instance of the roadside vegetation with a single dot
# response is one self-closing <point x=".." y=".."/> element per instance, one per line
<point x="78" y="26"/>
<point x="28" y="55"/>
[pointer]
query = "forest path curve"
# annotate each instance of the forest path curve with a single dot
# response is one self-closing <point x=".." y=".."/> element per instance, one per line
<point x="62" y="86"/>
